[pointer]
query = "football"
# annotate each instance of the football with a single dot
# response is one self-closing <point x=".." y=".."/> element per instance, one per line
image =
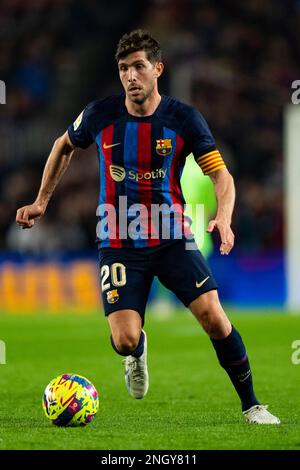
<point x="70" y="400"/>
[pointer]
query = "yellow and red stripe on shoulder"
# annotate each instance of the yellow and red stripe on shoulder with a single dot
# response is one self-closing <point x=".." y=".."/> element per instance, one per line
<point x="210" y="162"/>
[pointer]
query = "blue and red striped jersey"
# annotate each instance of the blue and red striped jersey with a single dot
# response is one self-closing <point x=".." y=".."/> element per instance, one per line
<point x="141" y="160"/>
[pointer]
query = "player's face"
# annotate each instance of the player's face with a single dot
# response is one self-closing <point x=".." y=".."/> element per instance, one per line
<point x="139" y="76"/>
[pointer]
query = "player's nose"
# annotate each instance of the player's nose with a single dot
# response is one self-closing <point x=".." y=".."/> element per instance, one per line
<point x="131" y="75"/>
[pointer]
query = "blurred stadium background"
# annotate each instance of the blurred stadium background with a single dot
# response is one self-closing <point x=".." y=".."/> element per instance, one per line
<point x="235" y="61"/>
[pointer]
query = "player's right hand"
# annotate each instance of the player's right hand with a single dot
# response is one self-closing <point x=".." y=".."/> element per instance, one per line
<point x="26" y="215"/>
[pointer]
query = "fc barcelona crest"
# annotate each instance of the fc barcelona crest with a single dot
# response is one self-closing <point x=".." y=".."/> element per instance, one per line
<point x="163" y="147"/>
<point x="112" y="296"/>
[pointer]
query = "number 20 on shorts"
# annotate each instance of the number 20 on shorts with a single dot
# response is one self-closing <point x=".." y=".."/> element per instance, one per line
<point x="117" y="274"/>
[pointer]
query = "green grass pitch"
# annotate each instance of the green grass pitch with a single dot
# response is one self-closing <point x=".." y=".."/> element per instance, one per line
<point x="190" y="405"/>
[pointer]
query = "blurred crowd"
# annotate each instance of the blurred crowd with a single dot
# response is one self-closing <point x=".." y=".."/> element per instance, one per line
<point x="235" y="61"/>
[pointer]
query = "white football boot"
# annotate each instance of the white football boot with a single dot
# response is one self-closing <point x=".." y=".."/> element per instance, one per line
<point x="259" y="414"/>
<point x="136" y="373"/>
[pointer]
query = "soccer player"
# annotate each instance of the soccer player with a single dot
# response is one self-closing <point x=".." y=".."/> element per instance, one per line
<point x="142" y="139"/>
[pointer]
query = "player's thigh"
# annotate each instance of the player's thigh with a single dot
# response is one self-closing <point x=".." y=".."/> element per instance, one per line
<point x="125" y="284"/>
<point x="185" y="272"/>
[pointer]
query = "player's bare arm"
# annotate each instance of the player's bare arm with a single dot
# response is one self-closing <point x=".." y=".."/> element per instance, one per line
<point x="225" y="194"/>
<point x="57" y="163"/>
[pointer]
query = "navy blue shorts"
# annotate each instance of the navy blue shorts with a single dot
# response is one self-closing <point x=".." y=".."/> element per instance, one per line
<point x="127" y="275"/>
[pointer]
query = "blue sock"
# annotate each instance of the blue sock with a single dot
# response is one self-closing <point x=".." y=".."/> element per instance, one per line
<point x="140" y="347"/>
<point x="138" y="350"/>
<point x="233" y="358"/>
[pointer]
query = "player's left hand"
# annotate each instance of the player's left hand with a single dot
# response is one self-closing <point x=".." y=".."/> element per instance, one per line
<point x="226" y="234"/>
<point x="26" y="215"/>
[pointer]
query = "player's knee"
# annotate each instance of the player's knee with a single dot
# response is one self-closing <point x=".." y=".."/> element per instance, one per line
<point x="208" y="309"/>
<point x="215" y="322"/>
<point x="126" y="343"/>
<point x="211" y="315"/>
<point x="215" y="326"/>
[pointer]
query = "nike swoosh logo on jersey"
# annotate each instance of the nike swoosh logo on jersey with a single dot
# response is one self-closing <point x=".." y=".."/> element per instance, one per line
<point x="105" y="146"/>
<point x="200" y="284"/>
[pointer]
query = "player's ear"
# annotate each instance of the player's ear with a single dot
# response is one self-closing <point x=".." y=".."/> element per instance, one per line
<point x="159" y="67"/>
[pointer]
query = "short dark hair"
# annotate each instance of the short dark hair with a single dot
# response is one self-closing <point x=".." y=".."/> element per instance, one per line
<point x="139" y="40"/>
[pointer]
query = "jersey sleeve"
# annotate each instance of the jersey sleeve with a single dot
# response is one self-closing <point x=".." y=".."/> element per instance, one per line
<point x="80" y="132"/>
<point x="203" y="144"/>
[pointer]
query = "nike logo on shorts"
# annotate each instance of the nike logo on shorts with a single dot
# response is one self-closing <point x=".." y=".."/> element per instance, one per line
<point x="200" y="284"/>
